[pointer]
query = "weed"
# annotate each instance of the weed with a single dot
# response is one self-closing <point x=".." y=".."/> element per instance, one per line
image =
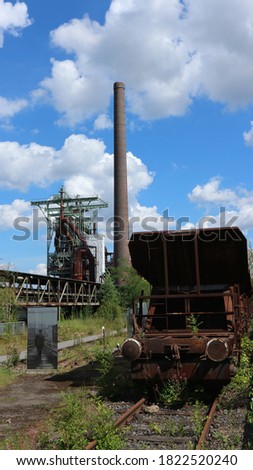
<point x="193" y="323"/>
<point x="6" y="376"/>
<point x="173" y="428"/>
<point x="173" y="392"/>
<point x="222" y="440"/>
<point x="198" y="418"/>
<point x="79" y="420"/>
<point x="156" y="428"/>
<point x="114" y="380"/>
<point x="12" y="357"/>
<point x="105" y="360"/>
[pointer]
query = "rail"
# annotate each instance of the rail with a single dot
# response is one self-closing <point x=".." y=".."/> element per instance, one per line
<point x="37" y="290"/>
<point x="208" y="423"/>
<point x="122" y="420"/>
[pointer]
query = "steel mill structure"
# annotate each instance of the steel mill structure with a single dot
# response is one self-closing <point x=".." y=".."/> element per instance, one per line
<point x="191" y="325"/>
<point x="74" y="248"/>
<point x="76" y="252"/>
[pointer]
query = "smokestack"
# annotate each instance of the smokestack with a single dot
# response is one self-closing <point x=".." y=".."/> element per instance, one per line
<point x="120" y="177"/>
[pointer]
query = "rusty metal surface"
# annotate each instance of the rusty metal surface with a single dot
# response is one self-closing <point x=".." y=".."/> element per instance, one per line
<point x="208" y="423"/>
<point x="198" y="310"/>
<point x="199" y="370"/>
<point x="195" y="260"/>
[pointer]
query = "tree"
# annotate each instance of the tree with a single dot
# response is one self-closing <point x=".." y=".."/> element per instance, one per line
<point x="7" y="304"/>
<point x="132" y="284"/>
<point x="250" y="259"/>
<point x="110" y="307"/>
<point x="7" y="296"/>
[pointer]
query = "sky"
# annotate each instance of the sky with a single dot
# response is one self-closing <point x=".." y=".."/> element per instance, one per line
<point x="187" y="66"/>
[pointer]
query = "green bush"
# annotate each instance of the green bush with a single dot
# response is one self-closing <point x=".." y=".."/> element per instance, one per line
<point x="7" y="305"/>
<point x="173" y="392"/>
<point x="131" y="285"/>
<point x="78" y="421"/>
<point x="110" y="307"/>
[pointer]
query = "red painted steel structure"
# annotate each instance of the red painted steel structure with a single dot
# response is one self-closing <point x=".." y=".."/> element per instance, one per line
<point x="198" y="309"/>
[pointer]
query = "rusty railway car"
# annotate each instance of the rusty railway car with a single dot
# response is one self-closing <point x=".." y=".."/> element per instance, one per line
<point x="191" y="325"/>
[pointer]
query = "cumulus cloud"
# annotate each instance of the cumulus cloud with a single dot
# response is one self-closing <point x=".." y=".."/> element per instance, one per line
<point x="10" y="212"/>
<point x="229" y="207"/>
<point x="82" y="163"/>
<point x="103" y="122"/>
<point x="8" y="108"/>
<point x="40" y="269"/>
<point x="211" y="193"/>
<point x="166" y="57"/>
<point x="81" y="158"/>
<point x="248" y="136"/>
<point x="13" y="18"/>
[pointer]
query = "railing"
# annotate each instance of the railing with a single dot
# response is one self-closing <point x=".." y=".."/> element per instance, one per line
<point x="33" y="289"/>
<point x="15" y="328"/>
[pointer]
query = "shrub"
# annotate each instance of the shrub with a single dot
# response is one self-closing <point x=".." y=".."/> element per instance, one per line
<point x="131" y="284"/>
<point x="110" y="307"/>
<point x="78" y="421"/>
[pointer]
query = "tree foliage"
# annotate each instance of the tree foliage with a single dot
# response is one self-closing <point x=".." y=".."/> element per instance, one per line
<point x="110" y="306"/>
<point x="131" y="285"/>
<point x="250" y="260"/>
<point x="7" y="305"/>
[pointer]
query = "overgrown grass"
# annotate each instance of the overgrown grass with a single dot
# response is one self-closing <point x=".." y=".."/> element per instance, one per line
<point x="78" y="421"/>
<point x="9" y="341"/>
<point x="71" y="426"/>
<point x="114" y="380"/>
<point x="67" y="329"/>
<point x="6" y="376"/>
<point x="90" y="325"/>
<point x="240" y="386"/>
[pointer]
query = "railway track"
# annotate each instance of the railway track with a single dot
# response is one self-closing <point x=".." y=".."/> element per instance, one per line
<point x="152" y="427"/>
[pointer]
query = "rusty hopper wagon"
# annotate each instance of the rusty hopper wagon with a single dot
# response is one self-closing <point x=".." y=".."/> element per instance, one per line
<point x="191" y="325"/>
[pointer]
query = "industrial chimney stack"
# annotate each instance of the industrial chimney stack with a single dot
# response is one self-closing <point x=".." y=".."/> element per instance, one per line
<point x="120" y="177"/>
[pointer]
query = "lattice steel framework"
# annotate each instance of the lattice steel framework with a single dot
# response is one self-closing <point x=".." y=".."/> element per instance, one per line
<point x="79" y="214"/>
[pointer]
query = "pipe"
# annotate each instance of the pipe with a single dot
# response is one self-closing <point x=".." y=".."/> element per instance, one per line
<point x="120" y="177"/>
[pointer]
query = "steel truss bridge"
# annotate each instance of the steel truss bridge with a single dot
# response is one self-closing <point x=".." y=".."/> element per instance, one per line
<point x="45" y="291"/>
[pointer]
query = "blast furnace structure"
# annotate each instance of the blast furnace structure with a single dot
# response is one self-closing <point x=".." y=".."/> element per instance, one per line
<point x="74" y="248"/>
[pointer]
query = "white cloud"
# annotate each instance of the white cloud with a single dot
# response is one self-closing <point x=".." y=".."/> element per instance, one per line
<point x="165" y="55"/>
<point x="8" y="108"/>
<point x="229" y="207"/>
<point x="210" y="193"/>
<point x="11" y="212"/>
<point x="103" y="122"/>
<point x="22" y="165"/>
<point x="72" y="93"/>
<point x="13" y="18"/>
<point x="82" y="163"/>
<point x="40" y="269"/>
<point x="248" y="136"/>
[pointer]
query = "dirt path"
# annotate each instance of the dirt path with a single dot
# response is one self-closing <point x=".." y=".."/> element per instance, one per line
<point x="25" y="404"/>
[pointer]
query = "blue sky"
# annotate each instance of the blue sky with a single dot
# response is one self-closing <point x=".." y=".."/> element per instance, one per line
<point x="187" y="67"/>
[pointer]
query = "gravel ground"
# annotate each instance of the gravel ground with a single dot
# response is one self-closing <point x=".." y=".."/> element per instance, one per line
<point x="25" y="406"/>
